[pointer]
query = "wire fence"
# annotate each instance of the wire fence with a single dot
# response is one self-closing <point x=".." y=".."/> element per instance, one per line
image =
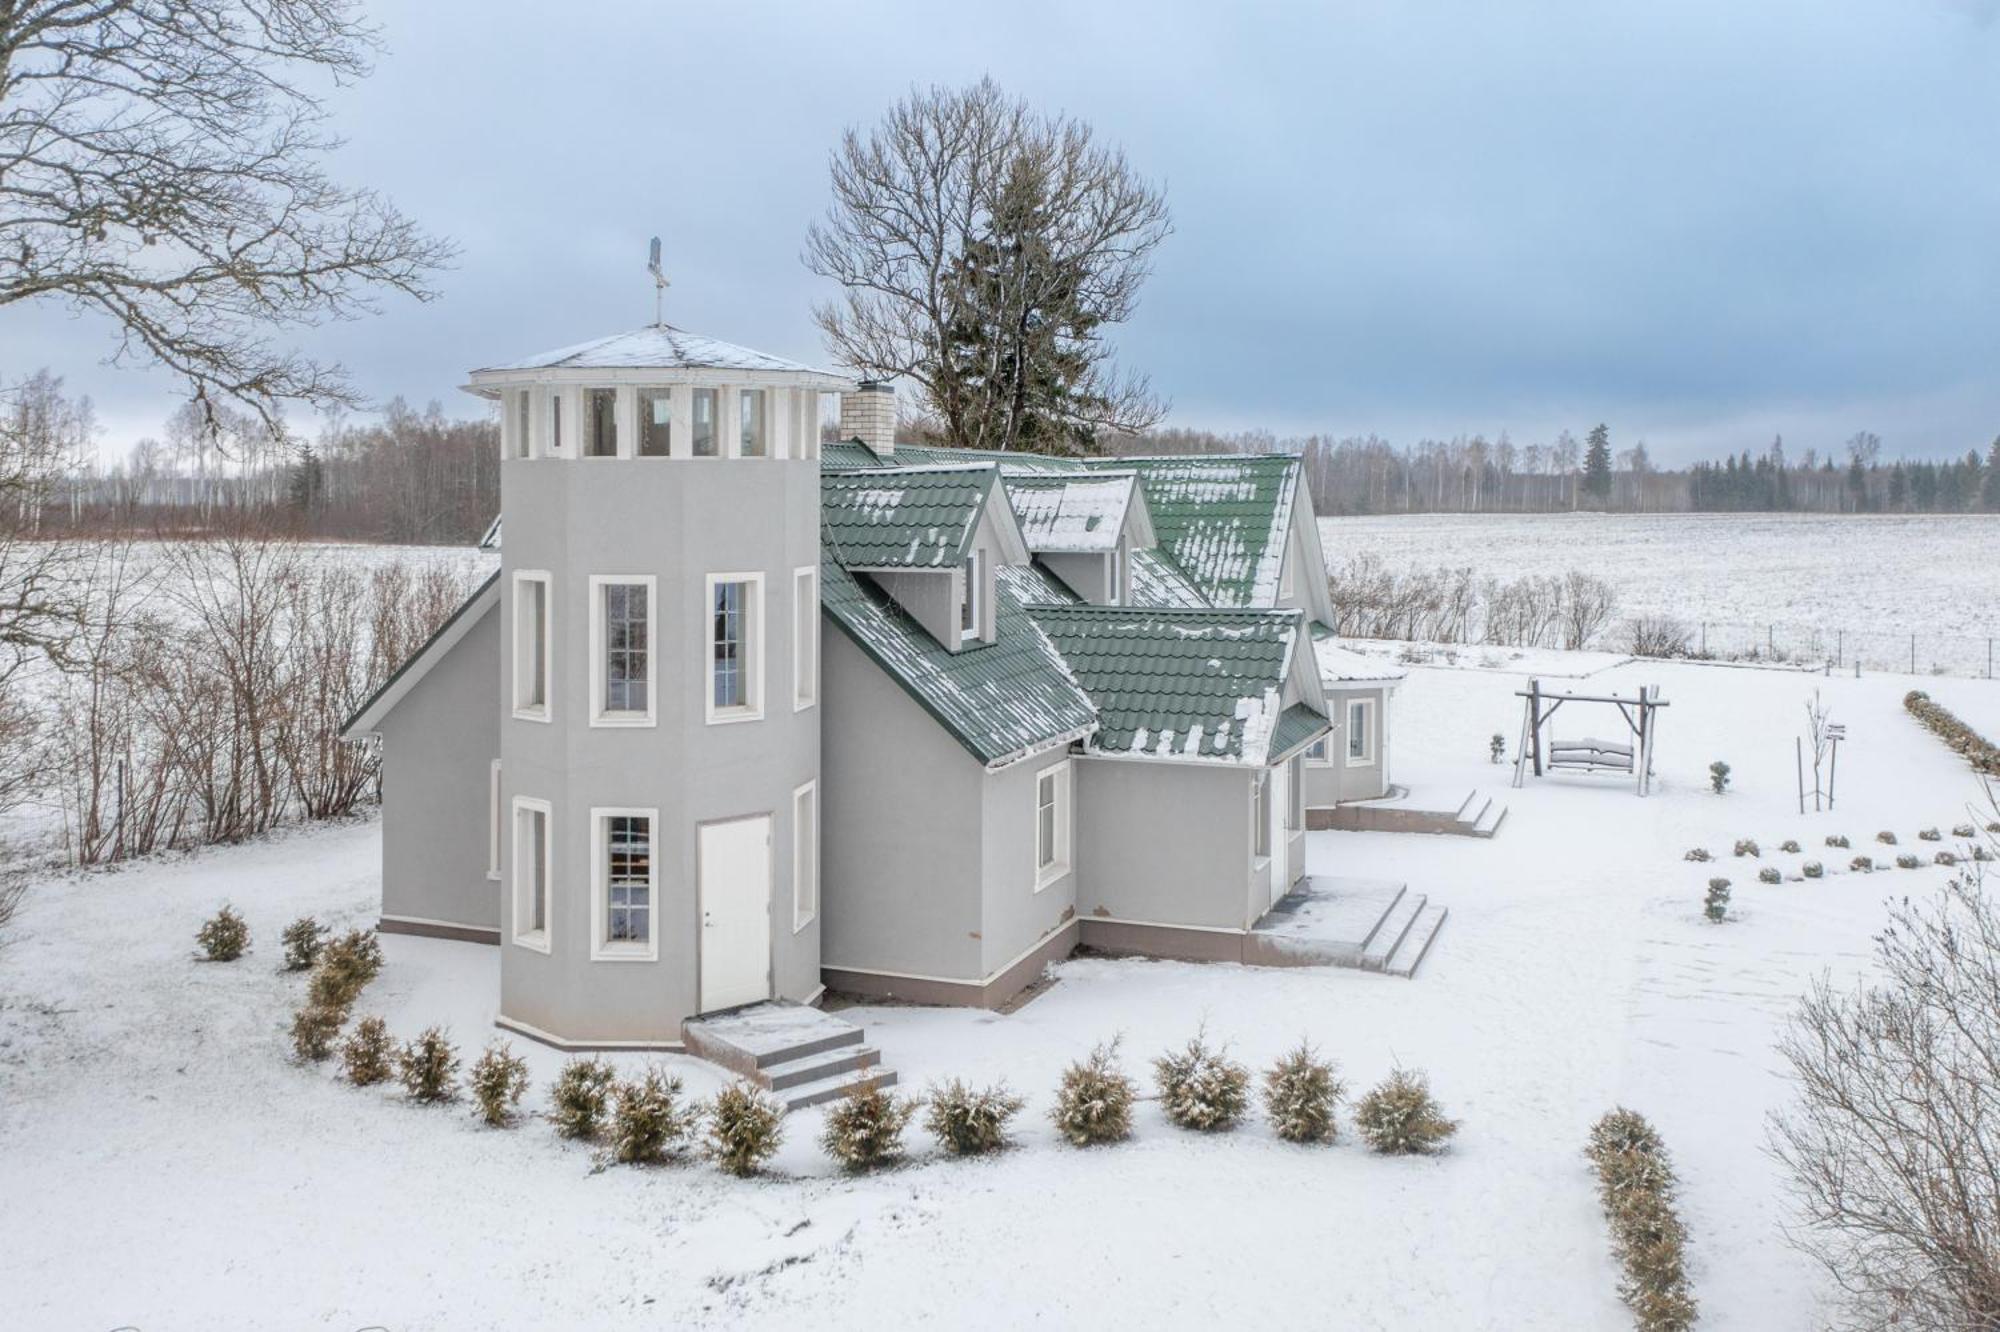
<point x="1838" y="647"/>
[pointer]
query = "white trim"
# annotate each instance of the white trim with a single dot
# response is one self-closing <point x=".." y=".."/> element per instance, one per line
<point x="753" y="656"/>
<point x="535" y="1033"/>
<point x="368" y="722"/>
<point x="1114" y="585"/>
<point x="545" y="710"/>
<point x="1064" y="849"/>
<point x="1367" y="759"/>
<point x="445" y="924"/>
<point x="972" y="573"/>
<point x="805" y="637"/>
<point x="1004" y="967"/>
<point x="598" y="714"/>
<point x="539" y="940"/>
<point x="805" y="856"/>
<point x="493" y="822"/>
<point x="601" y="949"/>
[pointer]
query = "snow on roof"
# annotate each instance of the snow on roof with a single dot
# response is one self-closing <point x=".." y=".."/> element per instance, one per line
<point x="1223" y="519"/>
<point x="1343" y="665"/>
<point x="657" y="347"/>
<point x="1070" y="514"/>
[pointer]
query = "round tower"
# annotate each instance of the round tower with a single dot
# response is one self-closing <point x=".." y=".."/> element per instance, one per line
<point x="657" y="787"/>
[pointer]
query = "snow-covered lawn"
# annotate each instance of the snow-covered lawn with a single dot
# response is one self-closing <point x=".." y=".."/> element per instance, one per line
<point x="167" y="1166"/>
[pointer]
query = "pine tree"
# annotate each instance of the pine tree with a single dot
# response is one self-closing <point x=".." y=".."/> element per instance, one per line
<point x="1597" y="462"/>
<point x="1989" y="494"/>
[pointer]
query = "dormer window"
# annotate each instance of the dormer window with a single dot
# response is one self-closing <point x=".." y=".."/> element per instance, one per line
<point x="600" y="423"/>
<point x="973" y="608"/>
<point x="703" y="426"/>
<point x="754" y="433"/>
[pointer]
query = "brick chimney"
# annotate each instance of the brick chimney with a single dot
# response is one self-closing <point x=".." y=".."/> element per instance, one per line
<point x="869" y="415"/>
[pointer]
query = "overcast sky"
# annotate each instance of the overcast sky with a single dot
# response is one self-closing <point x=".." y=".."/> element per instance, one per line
<point x="1704" y="223"/>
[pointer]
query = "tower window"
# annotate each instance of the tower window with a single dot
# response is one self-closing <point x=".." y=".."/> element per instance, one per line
<point x="532" y="865"/>
<point x="555" y="421"/>
<point x="601" y="405"/>
<point x="754" y="432"/>
<point x="656" y="421"/>
<point x="805" y="637"/>
<point x="702" y="424"/>
<point x="622" y="649"/>
<point x="522" y="418"/>
<point x="531" y="645"/>
<point x="735" y="649"/>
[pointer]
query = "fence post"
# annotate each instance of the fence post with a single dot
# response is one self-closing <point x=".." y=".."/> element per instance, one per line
<point x="1913" y="654"/>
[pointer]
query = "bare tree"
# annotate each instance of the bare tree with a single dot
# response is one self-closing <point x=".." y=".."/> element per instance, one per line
<point x="1894" y="1143"/>
<point x="160" y="164"/>
<point x="981" y="248"/>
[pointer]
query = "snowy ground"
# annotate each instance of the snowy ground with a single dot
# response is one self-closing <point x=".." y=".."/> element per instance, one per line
<point x="168" y="1167"/>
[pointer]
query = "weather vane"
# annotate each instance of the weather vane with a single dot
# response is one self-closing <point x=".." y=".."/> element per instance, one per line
<point x="659" y="279"/>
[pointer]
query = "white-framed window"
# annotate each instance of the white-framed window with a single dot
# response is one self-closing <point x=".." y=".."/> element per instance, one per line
<point x="735" y="647"/>
<point x="1295" y="788"/>
<point x="972" y="611"/>
<point x="534" y="873"/>
<point x="625" y="885"/>
<point x="704" y="423"/>
<point x="1114" y="588"/>
<point x="1260" y="815"/>
<point x="805" y="855"/>
<point x="555" y="422"/>
<point x="655" y="423"/>
<point x="1360" y="732"/>
<point x="753" y="427"/>
<point x="600" y="423"/>
<point x="623" y="635"/>
<point x="1320" y="753"/>
<point x="534" y="635"/>
<point x="805" y="637"/>
<point x="1052" y="824"/>
<point x="493" y="823"/>
<point x="521" y="423"/>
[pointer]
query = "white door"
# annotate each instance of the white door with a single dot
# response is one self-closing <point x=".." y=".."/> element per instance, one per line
<point x="1281" y="841"/>
<point x="735" y="862"/>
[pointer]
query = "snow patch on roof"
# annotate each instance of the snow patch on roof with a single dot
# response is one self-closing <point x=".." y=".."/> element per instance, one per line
<point x="657" y="347"/>
<point x="1070" y="514"/>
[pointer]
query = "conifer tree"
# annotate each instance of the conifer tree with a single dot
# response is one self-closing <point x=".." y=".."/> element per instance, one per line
<point x="1989" y="495"/>
<point x="1597" y="462"/>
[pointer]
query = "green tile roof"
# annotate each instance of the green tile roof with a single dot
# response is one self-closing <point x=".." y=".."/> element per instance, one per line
<point x="1222" y="519"/>
<point x="1296" y="725"/>
<point x="997" y="700"/>
<point x="1066" y="513"/>
<point x="903" y="517"/>
<point x="851" y="453"/>
<point x="1158" y="581"/>
<point x="1185" y="684"/>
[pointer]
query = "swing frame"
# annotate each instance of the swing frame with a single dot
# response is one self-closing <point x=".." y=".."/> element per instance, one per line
<point x="1638" y="713"/>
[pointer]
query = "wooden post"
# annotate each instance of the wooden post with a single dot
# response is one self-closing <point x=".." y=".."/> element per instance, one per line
<point x="1799" y="762"/>
<point x="1832" y="771"/>
<point x="1535" y="724"/>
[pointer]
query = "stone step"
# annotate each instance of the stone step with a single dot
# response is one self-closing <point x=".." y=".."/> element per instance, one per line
<point x="815" y="1067"/>
<point x="1461" y="813"/>
<point x="1388" y="936"/>
<point x="1410" y="953"/>
<point x="1472" y="811"/>
<point x="822" y="1090"/>
<point x="1489" y="821"/>
<point x="754" y="1038"/>
<point x="1402" y="891"/>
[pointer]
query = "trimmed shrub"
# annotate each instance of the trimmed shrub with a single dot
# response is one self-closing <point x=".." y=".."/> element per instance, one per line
<point x="1718" y="776"/>
<point x="1964" y="830"/>
<point x="498" y="1082"/>
<point x="1094" y="1102"/>
<point x="1862" y="864"/>
<point x="865" y="1127"/>
<point x="428" y="1067"/>
<point x="967" y="1122"/>
<point x="1635" y="1185"/>
<point x="1200" y="1088"/>
<point x="1746" y="847"/>
<point x="1962" y="739"/>
<point x="580" y="1096"/>
<point x="1699" y="855"/>
<point x="302" y="939"/>
<point x="1789" y="846"/>
<point x="1401" y="1117"/>
<point x="1930" y="835"/>
<point x="1944" y="858"/>
<point x="1886" y="838"/>
<point x="1716" y="904"/>
<point x="224" y="936"/>
<point x="1812" y="869"/>
<point x="366" y="1055"/>
<point x="1496" y="748"/>
<point x="345" y="967"/>
<point x="745" y="1127"/>
<point x="648" y="1122"/>
<point x="1838" y="841"/>
<point x="313" y="1030"/>
<point x="1980" y="853"/>
<point x="1908" y="862"/>
<point x="1770" y="874"/>
<point x="1300" y="1092"/>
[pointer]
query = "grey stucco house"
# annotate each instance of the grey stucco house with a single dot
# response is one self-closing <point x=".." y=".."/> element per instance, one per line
<point x="745" y="717"/>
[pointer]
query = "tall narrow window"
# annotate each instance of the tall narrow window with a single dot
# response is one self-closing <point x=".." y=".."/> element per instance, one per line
<point x="521" y="417"/>
<point x="626" y="885"/>
<point x="555" y="421"/>
<point x="1114" y="588"/>
<point x="805" y="856"/>
<point x="755" y="435"/>
<point x="1260" y="815"/>
<point x="1360" y="732"/>
<point x="622" y="636"/>
<point x="973" y="608"/>
<point x="735" y="671"/>
<point x="805" y="637"/>
<point x="532" y="865"/>
<point x="601" y="423"/>
<point x="702" y="423"/>
<point x="1052" y="825"/>
<point x="656" y="423"/>
<point x="531" y="645"/>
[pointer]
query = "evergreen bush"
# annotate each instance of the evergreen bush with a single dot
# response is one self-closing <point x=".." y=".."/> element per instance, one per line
<point x="428" y="1067"/>
<point x="648" y="1121"/>
<point x="1094" y="1102"/>
<point x="1300" y="1093"/>
<point x="1718" y="776"/>
<point x="1964" y="830"/>
<point x="580" y="1096"/>
<point x="1635" y="1185"/>
<point x="1770" y="874"/>
<point x="865" y="1127"/>
<point x="1838" y="841"/>
<point x="1886" y="838"/>
<point x="1716" y="904"/>
<point x="967" y="1122"/>
<point x="1496" y="748"/>
<point x="745" y="1127"/>
<point x="1699" y="854"/>
<point x="1200" y="1088"/>
<point x="1930" y="835"/>
<point x="1400" y="1117"/>
<point x="345" y="967"/>
<point x="1976" y="749"/>
<point x="499" y="1079"/>
<point x="1812" y="869"/>
<point x="224" y="936"/>
<point x="1790" y="846"/>
<point x="1861" y="864"/>
<point x="1908" y="862"/>
<point x="314" y="1028"/>
<point x="302" y="941"/>
<point x="1944" y="858"/>
<point x="1746" y="847"/>
<point x="366" y="1055"/>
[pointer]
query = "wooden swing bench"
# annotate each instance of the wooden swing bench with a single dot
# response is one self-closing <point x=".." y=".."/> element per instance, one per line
<point x="1589" y="755"/>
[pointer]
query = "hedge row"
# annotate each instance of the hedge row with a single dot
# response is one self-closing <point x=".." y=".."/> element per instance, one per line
<point x="1977" y="749"/>
<point x="1635" y="1183"/>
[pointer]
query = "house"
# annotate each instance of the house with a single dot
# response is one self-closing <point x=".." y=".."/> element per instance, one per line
<point x="742" y="717"/>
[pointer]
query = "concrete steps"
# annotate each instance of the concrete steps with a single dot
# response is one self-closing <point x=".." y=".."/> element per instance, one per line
<point x="1369" y="924"/>
<point x="1475" y="814"/>
<point x="800" y="1055"/>
<point x="1416" y="944"/>
<point x="1388" y="935"/>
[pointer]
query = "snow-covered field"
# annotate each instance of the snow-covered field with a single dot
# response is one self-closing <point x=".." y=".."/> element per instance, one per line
<point x="167" y="1166"/>
<point x="1863" y="584"/>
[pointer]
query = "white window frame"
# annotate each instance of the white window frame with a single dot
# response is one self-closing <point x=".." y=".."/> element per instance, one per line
<point x="973" y="571"/>
<point x="525" y="935"/>
<point x="1319" y="754"/>
<point x="805" y="858"/>
<point x="587" y="423"/>
<point x="600" y="715"/>
<point x="721" y="442"/>
<point x="763" y="397"/>
<point x="1064" y="857"/>
<point x="494" y="825"/>
<point x="1114" y="591"/>
<point x="1260" y="817"/>
<point x="545" y="710"/>
<point x="805" y="637"/>
<point x="602" y="948"/>
<point x="639" y="396"/>
<point x="753" y="656"/>
<point x="1367" y="729"/>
